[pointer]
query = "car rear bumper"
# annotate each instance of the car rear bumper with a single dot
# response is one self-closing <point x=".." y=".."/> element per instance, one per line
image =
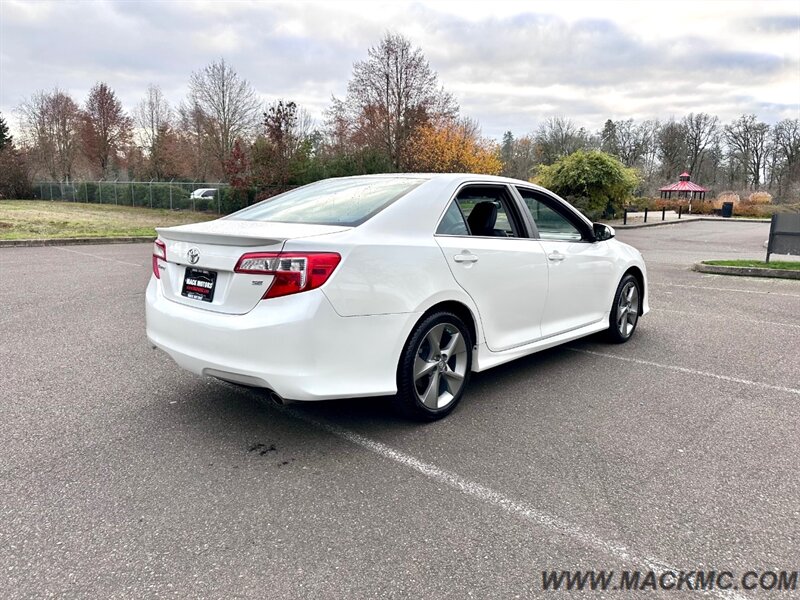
<point x="296" y="346"/>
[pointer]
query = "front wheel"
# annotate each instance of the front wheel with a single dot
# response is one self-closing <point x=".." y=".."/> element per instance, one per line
<point x="624" y="311"/>
<point x="434" y="367"/>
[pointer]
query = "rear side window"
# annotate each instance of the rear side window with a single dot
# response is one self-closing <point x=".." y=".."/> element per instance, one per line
<point x="488" y="211"/>
<point x="347" y="202"/>
<point x="453" y="222"/>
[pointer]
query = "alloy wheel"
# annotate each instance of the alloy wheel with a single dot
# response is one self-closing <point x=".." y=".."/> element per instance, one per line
<point x="628" y="309"/>
<point x="440" y="366"/>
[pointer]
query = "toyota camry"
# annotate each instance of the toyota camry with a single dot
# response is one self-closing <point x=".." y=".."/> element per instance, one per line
<point x="398" y="285"/>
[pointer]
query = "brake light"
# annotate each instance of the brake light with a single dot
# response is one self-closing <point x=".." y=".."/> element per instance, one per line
<point x="293" y="272"/>
<point x="159" y="253"/>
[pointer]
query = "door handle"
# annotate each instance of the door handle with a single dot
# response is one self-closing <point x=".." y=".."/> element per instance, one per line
<point x="556" y="256"/>
<point x="466" y="257"/>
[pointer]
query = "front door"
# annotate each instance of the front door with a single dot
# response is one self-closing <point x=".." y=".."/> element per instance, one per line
<point x="581" y="272"/>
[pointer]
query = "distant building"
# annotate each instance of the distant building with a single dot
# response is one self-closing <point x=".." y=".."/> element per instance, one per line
<point x="684" y="189"/>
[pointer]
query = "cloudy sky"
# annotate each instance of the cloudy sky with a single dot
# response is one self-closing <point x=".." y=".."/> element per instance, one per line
<point x="509" y="64"/>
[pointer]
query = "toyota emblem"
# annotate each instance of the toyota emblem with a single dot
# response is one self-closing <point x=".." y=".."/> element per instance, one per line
<point x="194" y="255"/>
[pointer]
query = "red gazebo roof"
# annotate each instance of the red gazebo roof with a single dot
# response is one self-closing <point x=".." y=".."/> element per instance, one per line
<point x="683" y="186"/>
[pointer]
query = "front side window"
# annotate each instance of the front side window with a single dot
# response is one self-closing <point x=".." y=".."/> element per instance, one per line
<point x="551" y="224"/>
<point x="347" y="202"/>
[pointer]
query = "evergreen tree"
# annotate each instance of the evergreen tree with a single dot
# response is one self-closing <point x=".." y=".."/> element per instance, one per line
<point x="5" y="138"/>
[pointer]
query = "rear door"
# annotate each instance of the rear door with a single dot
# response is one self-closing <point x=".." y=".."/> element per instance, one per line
<point x="581" y="271"/>
<point x="483" y="240"/>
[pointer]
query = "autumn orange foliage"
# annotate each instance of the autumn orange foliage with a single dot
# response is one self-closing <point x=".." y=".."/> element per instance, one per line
<point x="452" y="147"/>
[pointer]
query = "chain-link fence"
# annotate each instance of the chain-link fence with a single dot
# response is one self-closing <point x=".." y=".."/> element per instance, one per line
<point x="174" y="195"/>
<point x="216" y="197"/>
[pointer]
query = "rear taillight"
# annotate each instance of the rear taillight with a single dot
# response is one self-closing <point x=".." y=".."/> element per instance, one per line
<point x="293" y="272"/>
<point x="159" y="253"/>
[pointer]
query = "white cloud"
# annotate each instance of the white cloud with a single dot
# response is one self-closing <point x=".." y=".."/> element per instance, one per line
<point x="510" y="64"/>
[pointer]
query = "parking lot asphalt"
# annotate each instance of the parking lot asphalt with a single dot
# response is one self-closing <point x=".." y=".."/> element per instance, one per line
<point x="122" y="476"/>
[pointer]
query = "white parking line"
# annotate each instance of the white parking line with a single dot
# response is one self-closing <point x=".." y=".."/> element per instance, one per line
<point x="639" y="361"/>
<point x="497" y="499"/>
<point x="489" y="496"/>
<point x="122" y="262"/>
<point x="692" y="313"/>
<point x="719" y="289"/>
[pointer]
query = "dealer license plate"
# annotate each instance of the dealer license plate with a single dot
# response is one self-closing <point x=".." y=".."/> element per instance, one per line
<point x="199" y="284"/>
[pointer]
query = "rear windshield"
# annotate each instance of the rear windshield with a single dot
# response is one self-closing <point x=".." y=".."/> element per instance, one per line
<point x="347" y="202"/>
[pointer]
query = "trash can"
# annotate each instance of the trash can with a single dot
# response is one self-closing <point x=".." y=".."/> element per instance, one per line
<point x="727" y="209"/>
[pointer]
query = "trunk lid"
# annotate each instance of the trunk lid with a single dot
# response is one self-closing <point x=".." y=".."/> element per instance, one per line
<point x="205" y="254"/>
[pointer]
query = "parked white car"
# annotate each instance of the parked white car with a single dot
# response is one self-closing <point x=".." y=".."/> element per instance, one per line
<point x="207" y="193"/>
<point x="388" y="285"/>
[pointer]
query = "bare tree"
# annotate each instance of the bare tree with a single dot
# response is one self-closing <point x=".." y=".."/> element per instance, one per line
<point x="700" y="131"/>
<point x="50" y="123"/>
<point x="195" y="143"/>
<point x="228" y="104"/>
<point x="105" y="130"/>
<point x="152" y="115"/>
<point x="632" y="142"/>
<point x="672" y="149"/>
<point x="558" y="137"/>
<point x="154" y="129"/>
<point x="785" y="144"/>
<point x="287" y="128"/>
<point x="747" y="147"/>
<point x="287" y="125"/>
<point x="650" y="130"/>
<point x="392" y="94"/>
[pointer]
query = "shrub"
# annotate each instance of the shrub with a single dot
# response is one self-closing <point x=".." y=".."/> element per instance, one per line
<point x="594" y="182"/>
<point x="760" y="198"/>
<point x="725" y="197"/>
<point x="701" y="207"/>
<point x="233" y="199"/>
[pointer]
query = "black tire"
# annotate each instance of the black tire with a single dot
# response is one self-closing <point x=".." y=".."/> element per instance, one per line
<point x="625" y="310"/>
<point x="441" y="367"/>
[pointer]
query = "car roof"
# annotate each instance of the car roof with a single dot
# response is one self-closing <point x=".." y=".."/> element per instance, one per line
<point x="456" y="178"/>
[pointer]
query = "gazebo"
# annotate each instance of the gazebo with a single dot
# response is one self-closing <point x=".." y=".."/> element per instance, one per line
<point x="684" y="189"/>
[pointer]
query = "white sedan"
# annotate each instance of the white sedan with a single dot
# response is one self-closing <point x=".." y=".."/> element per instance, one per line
<point x="388" y="285"/>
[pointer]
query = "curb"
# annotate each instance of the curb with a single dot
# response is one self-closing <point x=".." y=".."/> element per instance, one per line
<point x="746" y="271"/>
<point x="76" y="241"/>
<point x="689" y="220"/>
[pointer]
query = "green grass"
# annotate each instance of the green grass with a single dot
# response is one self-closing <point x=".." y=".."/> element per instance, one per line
<point x="773" y="264"/>
<point x="24" y="219"/>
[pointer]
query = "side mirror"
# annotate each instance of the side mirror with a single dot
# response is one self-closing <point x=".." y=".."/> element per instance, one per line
<point x="602" y="232"/>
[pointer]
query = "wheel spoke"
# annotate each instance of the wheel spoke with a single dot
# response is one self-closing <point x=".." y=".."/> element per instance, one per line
<point x="434" y="338"/>
<point x="621" y="313"/>
<point x="456" y="345"/>
<point x="423" y="367"/>
<point x="629" y="294"/>
<point x="431" y="396"/>
<point x="455" y="377"/>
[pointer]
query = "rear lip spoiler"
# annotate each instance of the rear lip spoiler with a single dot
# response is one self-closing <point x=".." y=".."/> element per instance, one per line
<point x="220" y="239"/>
